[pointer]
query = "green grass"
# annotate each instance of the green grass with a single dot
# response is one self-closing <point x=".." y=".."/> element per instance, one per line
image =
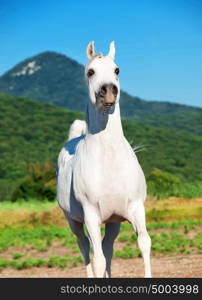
<point x="172" y="225"/>
<point x="163" y="243"/>
<point x="16" y="264"/>
<point x="61" y="261"/>
<point x="174" y="241"/>
<point x="179" y="237"/>
<point x="42" y="237"/>
<point x="17" y="255"/>
<point x="128" y="251"/>
<point x="39" y="238"/>
<point x="53" y="261"/>
<point x="171" y="238"/>
<point x="33" y="205"/>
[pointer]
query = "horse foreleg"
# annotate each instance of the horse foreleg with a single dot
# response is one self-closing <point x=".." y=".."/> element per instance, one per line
<point x="93" y="223"/>
<point x="137" y="219"/>
<point x="111" y="232"/>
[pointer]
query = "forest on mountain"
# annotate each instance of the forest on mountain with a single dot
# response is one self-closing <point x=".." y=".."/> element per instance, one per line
<point x="32" y="134"/>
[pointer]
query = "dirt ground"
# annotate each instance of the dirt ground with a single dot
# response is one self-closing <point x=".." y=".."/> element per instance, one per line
<point x="180" y="266"/>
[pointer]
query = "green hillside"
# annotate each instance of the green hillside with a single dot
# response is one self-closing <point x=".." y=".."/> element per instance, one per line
<point x="30" y="131"/>
<point x="176" y="152"/>
<point x="190" y="122"/>
<point x="34" y="131"/>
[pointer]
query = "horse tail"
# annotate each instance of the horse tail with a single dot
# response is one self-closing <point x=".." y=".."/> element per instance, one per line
<point x="77" y="128"/>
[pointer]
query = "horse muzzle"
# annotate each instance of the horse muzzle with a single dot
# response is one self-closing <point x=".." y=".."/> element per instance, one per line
<point x="107" y="95"/>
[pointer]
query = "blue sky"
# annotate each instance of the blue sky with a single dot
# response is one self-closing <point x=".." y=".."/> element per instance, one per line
<point x="158" y="43"/>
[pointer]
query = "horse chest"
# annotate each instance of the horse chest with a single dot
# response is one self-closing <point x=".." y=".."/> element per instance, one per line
<point x="102" y="175"/>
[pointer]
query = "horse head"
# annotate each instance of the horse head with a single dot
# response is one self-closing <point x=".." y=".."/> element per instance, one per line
<point x="101" y="74"/>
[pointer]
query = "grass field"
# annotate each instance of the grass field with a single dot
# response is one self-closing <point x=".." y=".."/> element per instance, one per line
<point x="18" y="243"/>
<point x="35" y="234"/>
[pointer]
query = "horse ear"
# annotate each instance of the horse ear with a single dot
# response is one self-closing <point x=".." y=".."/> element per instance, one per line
<point x="90" y="50"/>
<point x="112" y="50"/>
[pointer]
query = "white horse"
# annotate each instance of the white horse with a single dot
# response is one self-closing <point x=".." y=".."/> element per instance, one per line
<point x="99" y="177"/>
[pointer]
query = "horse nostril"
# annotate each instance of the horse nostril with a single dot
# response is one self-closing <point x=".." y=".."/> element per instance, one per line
<point x="114" y="90"/>
<point x="103" y="90"/>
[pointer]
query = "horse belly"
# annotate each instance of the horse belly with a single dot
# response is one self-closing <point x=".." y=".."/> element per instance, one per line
<point x="112" y="208"/>
<point x="114" y="219"/>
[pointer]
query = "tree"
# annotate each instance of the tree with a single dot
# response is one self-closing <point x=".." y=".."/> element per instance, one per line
<point x="39" y="183"/>
<point x="162" y="183"/>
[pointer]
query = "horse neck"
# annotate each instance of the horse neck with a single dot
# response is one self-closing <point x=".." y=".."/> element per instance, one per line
<point x="102" y="124"/>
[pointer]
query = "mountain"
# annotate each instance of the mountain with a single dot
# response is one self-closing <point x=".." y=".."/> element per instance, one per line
<point x="56" y="79"/>
<point x="49" y="77"/>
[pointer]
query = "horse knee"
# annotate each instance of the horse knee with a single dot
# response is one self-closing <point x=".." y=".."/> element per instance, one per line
<point x="144" y="241"/>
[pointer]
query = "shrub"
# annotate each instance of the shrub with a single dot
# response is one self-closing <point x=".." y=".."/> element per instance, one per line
<point x="40" y="183"/>
<point x="188" y="190"/>
<point x="162" y="184"/>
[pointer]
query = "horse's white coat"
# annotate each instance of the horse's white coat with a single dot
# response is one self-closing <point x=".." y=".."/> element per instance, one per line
<point x="77" y="129"/>
<point x="99" y="177"/>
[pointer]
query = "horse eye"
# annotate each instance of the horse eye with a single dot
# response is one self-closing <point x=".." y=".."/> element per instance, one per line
<point x="117" y="71"/>
<point x="90" y="72"/>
